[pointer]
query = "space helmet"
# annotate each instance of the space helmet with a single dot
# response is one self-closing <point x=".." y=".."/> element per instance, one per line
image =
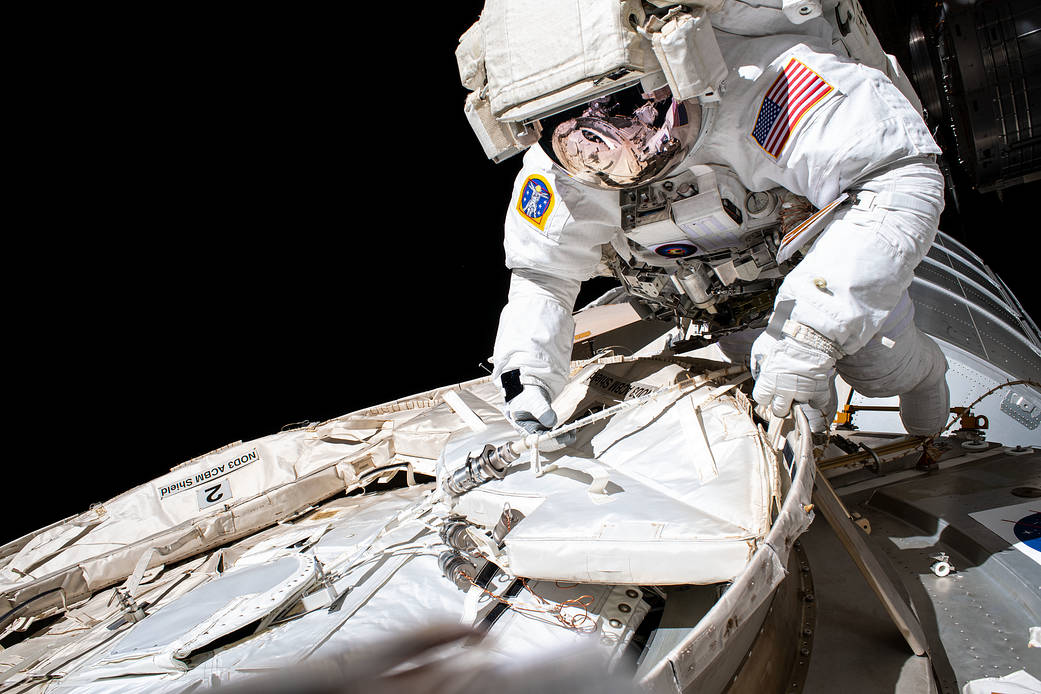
<point x="617" y="92"/>
<point x="624" y="139"/>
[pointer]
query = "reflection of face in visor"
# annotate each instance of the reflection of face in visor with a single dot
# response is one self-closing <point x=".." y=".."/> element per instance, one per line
<point x="626" y="139"/>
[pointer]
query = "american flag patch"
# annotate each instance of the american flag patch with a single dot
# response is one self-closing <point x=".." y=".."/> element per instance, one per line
<point x="792" y="95"/>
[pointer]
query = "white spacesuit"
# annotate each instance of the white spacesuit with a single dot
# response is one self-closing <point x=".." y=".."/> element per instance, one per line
<point x="740" y="91"/>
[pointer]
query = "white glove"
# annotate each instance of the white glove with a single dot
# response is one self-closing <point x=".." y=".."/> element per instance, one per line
<point x="531" y="411"/>
<point x="788" y="372"/>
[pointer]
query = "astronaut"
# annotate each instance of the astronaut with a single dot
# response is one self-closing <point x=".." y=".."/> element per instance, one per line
<point x="609" y="95"/>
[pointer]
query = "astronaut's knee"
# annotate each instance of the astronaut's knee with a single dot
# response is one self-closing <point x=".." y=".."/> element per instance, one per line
<point x="924" y="410"/>
<point x="931" y="364"/>
<point x="877" y="383"/>
<point x="916" y="360"/>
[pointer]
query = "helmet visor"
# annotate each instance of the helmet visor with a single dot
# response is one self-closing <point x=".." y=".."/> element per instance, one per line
<point x="627" y="138"/>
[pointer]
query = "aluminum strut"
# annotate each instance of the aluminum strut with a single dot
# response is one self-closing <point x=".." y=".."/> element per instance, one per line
<point x="827" y="501"/>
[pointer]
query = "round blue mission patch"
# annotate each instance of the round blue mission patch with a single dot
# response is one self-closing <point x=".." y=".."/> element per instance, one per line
<point x="535" y="199"/>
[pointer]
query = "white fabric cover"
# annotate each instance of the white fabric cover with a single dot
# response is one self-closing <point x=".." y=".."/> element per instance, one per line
<point x="172" y="513"/>
<point x="687" y="487"/>
<point x="397" y="590"/>
<point x="385" y="548"/>
<point x="261" y="482"/>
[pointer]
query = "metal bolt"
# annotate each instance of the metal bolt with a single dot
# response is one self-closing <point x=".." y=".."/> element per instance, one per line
<point x="617" y="624"/>
<point x="623" y="607"/>
<point x="805" y="9"/>
<point x="820" y="283"/>
<point x="632" y="593"/>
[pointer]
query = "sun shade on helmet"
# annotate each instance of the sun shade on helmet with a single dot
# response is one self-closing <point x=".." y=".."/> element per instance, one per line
<point x="624" y="139"/>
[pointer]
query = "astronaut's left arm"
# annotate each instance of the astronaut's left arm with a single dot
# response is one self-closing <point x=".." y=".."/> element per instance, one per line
<point x="870" y="143"/>
<point x="854" y="273"/>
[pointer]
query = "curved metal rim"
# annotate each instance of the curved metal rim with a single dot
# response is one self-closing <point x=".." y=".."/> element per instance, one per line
<point x="743" y="592"/>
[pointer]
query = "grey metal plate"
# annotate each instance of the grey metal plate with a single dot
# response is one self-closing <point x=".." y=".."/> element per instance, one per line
<point x="856" y="648"/>
<point x="964" y="325"/>
<point x="978" y="617"/>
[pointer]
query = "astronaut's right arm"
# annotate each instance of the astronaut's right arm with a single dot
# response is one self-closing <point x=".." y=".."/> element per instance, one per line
<point x="554" y="231"/>
<point x="533" y="344"/>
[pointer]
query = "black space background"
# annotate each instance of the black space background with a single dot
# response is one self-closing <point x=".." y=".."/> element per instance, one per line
<point x="222" y="223"/>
